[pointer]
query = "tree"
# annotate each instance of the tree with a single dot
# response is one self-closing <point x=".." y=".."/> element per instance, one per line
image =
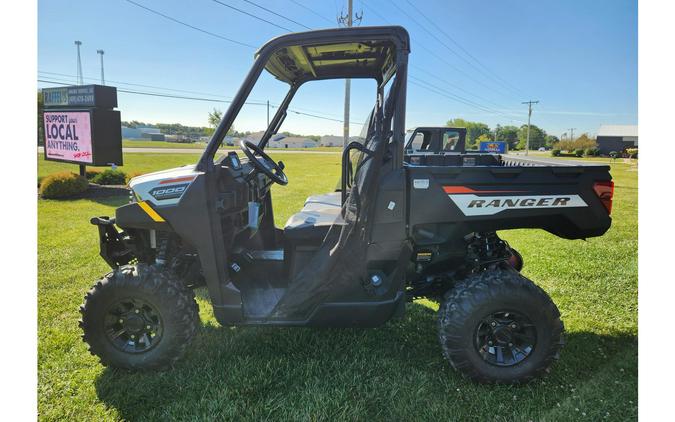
<point x="551" y="140"/>
<point x="537" y="137"/>
<point x="473" y="129"/>
<point x="484" y="138"/>
<point x="585" y="142"/>
<point x="508" y="134"/>
<point x="215" y="117"/>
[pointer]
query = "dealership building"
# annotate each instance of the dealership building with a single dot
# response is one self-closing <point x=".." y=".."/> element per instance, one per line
<point x="617" y="138"/>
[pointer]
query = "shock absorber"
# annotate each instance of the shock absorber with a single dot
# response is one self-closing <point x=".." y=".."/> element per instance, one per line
<point x="162" y="248"/>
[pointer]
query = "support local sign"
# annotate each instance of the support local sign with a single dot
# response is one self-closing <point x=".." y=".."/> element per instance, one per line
<point x="68" y="136"/>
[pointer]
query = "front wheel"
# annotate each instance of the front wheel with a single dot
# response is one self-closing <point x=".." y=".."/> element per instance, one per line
<point x="138" y="317"/>
<point x="498" y="326"/>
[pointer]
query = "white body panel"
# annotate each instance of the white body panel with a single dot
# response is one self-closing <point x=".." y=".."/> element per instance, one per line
<point x="173" y="181"/>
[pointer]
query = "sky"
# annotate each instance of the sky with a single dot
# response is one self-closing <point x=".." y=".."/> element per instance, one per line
<point x="473" y="60"/>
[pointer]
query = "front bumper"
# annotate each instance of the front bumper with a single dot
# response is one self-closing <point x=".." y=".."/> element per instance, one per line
<point x="114" y="248"/>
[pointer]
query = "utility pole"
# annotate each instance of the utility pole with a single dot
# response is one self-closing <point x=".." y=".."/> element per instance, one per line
<point x="80" y="79"/>
<point x="347" y="21"/>
<point x="268" y="113"/>
<point x="348" y="82"/>
<point x="572" y="133"/>
<point x="102" y="78"/>
<point x="529" y="115"/>
<point x="496" y="132"/>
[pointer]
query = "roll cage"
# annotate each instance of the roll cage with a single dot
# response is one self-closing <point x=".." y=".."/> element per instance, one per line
<point x="378" y="53"/>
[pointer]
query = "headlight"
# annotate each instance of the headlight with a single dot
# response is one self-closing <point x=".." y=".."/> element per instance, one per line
<point x="133" y="197"/>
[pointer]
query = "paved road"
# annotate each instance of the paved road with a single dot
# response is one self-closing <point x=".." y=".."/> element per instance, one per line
<point x="549" y="161"/>
<point x="272" y="151"/>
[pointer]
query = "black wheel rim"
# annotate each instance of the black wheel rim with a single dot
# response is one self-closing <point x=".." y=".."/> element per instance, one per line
<point x="133" y="325"/>
<point x="505" y="338"/>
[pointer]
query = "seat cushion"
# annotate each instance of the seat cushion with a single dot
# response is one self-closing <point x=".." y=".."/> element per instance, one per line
<point x="311" y="225"/>
<point x="316" y="202"/>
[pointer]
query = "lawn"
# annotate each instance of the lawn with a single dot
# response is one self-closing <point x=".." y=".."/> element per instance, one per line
<point x="128" y="143"/>
<point x="395" y="372"/>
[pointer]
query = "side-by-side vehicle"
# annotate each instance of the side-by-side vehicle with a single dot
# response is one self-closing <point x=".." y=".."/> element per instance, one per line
<point x="394" y="232"/>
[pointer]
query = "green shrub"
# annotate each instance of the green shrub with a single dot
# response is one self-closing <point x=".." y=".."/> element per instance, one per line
<point x="62" y="185"/>
<point x="579" y="153"/>
<point x="91" y="173"/>
<point x="555" y="152"/>
<point x="110" y="177"/>
<point x="591" y="152"/>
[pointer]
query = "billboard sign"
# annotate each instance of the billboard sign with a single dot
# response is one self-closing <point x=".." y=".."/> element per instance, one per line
<point x="68" y="136"/>
<point x="80" y="96"/>
<point x="497" y="147"/>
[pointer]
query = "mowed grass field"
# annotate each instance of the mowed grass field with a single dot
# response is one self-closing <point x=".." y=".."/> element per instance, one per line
<point x="129" y="143"/>
<point x="395" y="372"/>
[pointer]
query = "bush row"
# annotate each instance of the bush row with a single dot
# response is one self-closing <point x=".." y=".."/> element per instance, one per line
<point x="67" y="184"/>
<point x="589" y="152"/>
<point x="63" y="185"/>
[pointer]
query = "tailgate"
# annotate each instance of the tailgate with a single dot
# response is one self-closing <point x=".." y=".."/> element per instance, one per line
<point x="573" y="202"/>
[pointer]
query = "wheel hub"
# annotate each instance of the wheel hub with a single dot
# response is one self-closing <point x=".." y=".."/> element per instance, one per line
<point x="133" y="325"/>
<point x="505" y="338"/>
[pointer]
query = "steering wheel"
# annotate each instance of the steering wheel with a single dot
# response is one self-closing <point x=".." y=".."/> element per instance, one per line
<point x="263" y="162"/>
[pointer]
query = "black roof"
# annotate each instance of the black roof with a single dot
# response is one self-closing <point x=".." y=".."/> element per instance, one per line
<point x="362" y="52"/>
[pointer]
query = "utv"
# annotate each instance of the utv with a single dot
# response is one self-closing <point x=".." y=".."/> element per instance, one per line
<point x="394" y="232"/>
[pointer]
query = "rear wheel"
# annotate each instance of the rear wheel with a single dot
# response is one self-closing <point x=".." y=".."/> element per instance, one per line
<point x="498" y="326"/>
<point x="138" y="317"/>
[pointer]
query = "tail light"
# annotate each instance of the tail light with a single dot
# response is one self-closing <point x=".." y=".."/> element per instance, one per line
<point x="605" y="191"/>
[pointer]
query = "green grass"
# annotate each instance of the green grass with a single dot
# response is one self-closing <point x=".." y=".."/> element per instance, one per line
<point x="128" y="143"/>
<point x="395" y="372"/>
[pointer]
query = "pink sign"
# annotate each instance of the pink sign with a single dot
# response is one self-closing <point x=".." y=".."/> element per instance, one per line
<point x="68" y="136"/>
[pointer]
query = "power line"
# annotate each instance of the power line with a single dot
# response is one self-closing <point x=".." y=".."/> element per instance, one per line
<point x="425" y="84"/>
<point x="190" y="26"/>
<point x="438" y="57"/>
<point x="433" y="88"/>
<point x="251" y="15"/>
<point x="183" y="97"/>
<point x="139" y="85"/>
<point x="277" y="14"/>
<point x="455" y="97"/>
<point x="208" y="94"/>
<point x="313" y="12"/>
<point x="454" y="86"/>
<point x="445" y="45"/>
<point x="492" y="74"/>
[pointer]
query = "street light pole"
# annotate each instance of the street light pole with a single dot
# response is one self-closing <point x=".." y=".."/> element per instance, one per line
<point x="102" y="77"/>
<point x="80" y="79"/>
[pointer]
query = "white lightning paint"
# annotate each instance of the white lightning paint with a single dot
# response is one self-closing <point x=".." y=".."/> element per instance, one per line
<point x="473" y="205"/>
<point x="142" y="185"/>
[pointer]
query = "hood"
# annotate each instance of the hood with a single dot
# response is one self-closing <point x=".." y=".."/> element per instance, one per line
<point x="164" y="187"/>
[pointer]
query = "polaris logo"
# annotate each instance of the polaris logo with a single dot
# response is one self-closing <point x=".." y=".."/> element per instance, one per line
<point x="169" y="192"/>
<point x="473" y="205"/>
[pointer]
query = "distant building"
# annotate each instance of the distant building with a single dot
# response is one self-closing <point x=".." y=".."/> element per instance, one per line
<point x="292" y="142"/>
<point x="331" y="141"/>
<point x="140" y="133"/>
<point x="131" y="133"/>
<point x="617" y="138"/>
<point x="288" y="142"/>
